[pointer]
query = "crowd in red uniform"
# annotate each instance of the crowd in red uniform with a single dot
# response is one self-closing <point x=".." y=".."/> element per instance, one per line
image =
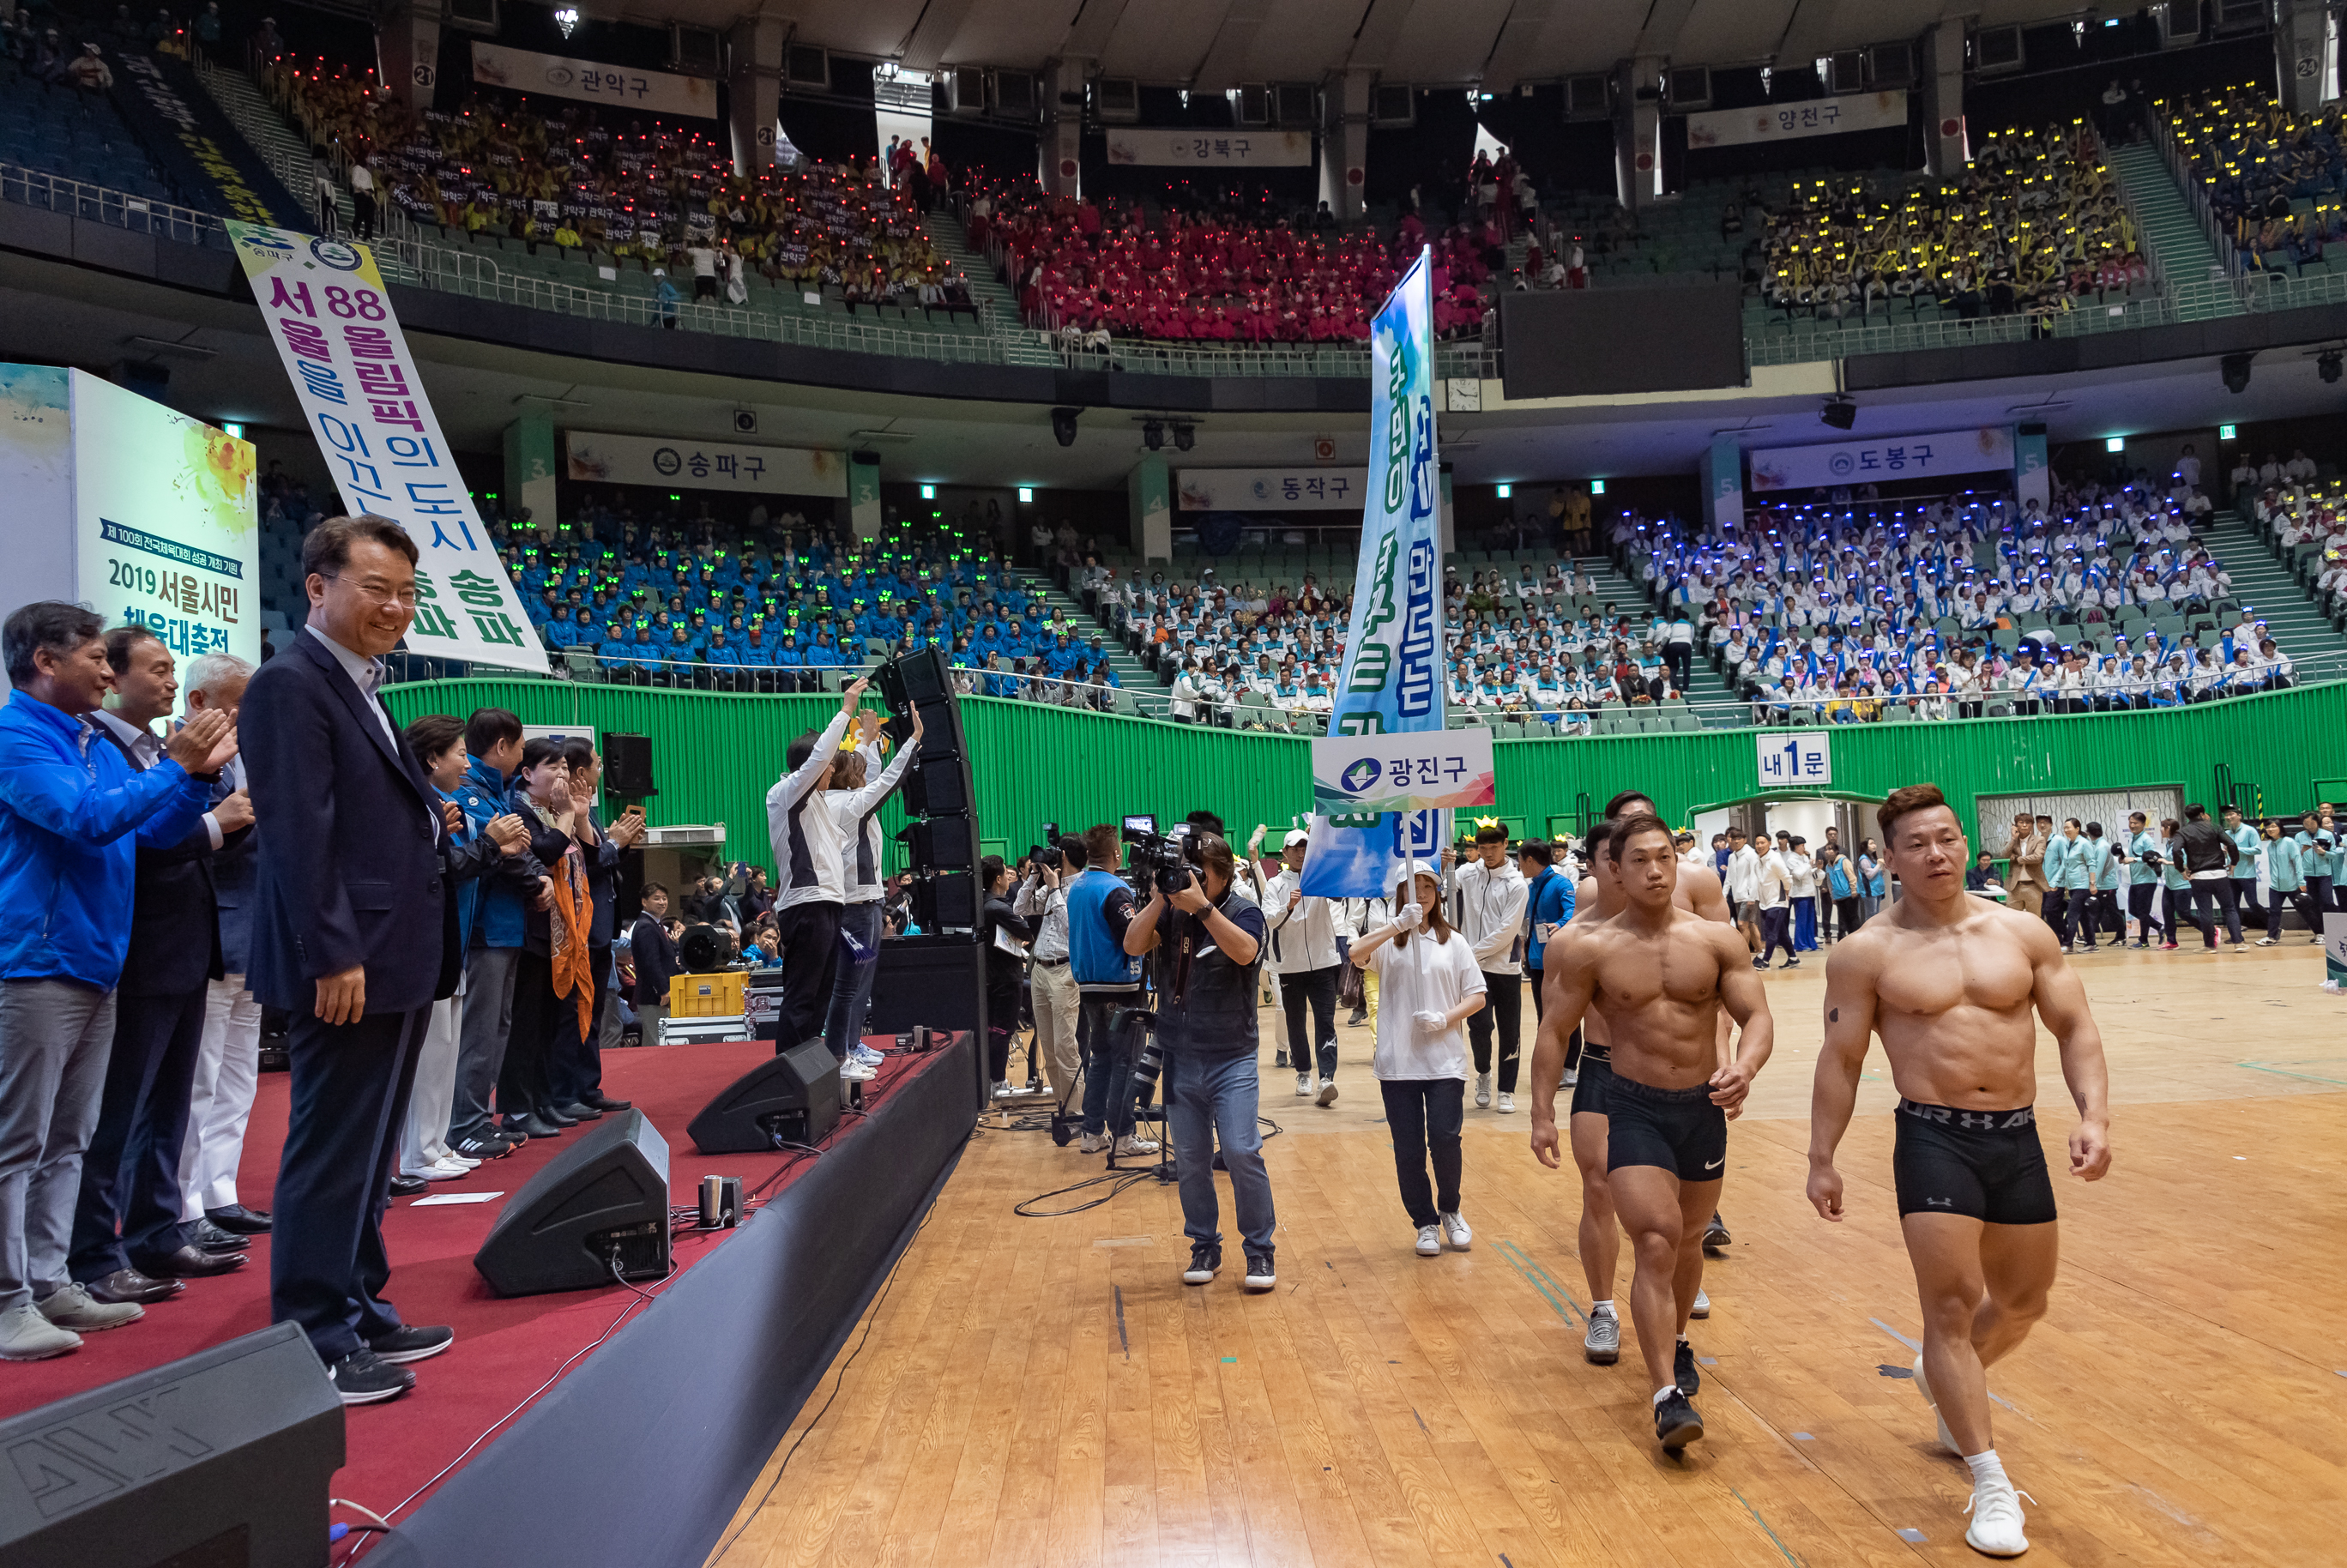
<point x="1120" y="269"/>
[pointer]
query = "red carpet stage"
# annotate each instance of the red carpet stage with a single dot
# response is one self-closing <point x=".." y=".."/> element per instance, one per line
<point x="507" y="1348"/>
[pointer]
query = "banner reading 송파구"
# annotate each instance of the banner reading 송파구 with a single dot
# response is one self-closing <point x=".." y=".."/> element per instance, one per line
<point x="1392" y="684"/>
<point x="362" y="399"/>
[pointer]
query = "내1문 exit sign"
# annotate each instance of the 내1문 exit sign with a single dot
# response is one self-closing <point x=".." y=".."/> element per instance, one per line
<point x="1795" y="760"/>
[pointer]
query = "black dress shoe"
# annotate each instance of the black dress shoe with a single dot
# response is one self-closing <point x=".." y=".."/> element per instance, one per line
<point x="577" y="1112"/>
<point x="128" y="1285"/>
<point x="209" y="1237"/>
<point x="554" y="1115"/>
<point x="240" y="1220"/>
<point x="407" y="1186"/>
<point x="192" y="1263"/>
<point x="602" y="1101"/>
<point x="536" y="1125"/>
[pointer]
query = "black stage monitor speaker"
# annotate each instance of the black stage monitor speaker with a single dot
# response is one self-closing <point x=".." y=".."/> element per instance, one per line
<point x="944" y="901"/>
<point x="937" y="785"/>
<point x="917" y="679"/>
<point x="628" y="766"/>
<point x="223" y="1457"/>
<point x="605" y="1196"/>
<point x="794" y="1098"/>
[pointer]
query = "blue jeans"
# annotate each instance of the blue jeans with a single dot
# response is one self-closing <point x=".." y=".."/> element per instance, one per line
<point x="1108" y="1064"/>
<point x="851" y="984"/>
<point x="1208" y="1099"/>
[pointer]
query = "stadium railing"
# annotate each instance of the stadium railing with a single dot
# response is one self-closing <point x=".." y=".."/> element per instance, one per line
<point x="115" y="208"/>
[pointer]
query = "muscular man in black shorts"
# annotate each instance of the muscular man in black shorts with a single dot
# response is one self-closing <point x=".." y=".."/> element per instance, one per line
<point x="1948" y="980"/>
<point x="1599" y="897"/>
<point x="1658" y="978"/>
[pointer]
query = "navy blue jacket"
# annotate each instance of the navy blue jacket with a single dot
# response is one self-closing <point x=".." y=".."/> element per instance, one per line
<point x="349" y="870"/>
<point x="235" y="867"/>
<point x="174" y="943"/>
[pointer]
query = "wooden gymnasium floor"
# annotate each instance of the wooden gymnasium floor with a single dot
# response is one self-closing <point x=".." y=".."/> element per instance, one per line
<point x="1047" y="1391"/>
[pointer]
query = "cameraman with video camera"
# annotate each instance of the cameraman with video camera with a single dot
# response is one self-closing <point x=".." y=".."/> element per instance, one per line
<point x="1108" y="978"/>
<point x="1204" y="975"/>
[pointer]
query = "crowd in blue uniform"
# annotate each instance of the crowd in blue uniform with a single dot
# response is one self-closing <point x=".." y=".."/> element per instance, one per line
<point x="769" y="607"/>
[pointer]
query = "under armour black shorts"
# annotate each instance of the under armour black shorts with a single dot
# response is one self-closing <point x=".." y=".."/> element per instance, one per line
<point x="1596" y="1076"/>
<point x="1987" y="1164"/>
<point x="1678" y="1129"/>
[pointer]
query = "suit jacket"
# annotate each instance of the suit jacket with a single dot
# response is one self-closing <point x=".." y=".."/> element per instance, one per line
<point x="233" y="873"/>
<point x="174" y="943"/>
<point x="349" y="871"/>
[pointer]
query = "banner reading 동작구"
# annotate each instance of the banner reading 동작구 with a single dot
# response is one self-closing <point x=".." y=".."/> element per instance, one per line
<point x="361" y="397"/>
<point x="1393" y="681"/>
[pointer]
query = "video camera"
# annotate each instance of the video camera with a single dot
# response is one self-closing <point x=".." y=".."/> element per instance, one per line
<point x="1161" y="860"/>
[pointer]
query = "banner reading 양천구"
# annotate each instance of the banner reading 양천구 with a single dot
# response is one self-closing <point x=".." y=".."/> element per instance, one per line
<point x="361" y="397"/>
<point x="1393" y="682"/>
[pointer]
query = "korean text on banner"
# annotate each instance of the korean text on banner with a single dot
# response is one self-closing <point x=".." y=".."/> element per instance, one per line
<point x="651" y="460"/>
<point x="1393" y="681"/>
<point x="653" y="92"/>
<point x="1266" y="489"/>
<point x="1416" y="770"/>
<point x="1985" y="450"/>
<point x="361" y="397"/>
<point x="1795" y="759"/>
<point x="1141" y="145"/>
<point x="1825" y="117"/>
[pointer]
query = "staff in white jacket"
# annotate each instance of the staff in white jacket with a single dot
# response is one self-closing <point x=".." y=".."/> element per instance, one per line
<point x="1487" y="902"/>
<point x="1303" y="953"/>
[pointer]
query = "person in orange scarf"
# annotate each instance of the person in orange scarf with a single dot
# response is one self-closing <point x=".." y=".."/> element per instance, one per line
<point x="555" y="971"/>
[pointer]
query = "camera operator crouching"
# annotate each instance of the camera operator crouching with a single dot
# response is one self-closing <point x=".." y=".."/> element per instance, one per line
<point x="1108" y="978"/>
<point x="1211" y="940"/>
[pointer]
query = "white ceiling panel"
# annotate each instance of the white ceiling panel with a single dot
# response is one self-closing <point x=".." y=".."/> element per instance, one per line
<point x="1303" y="40"/>
<point x="1447" y="40"/>
<point x="1162" y="40"/>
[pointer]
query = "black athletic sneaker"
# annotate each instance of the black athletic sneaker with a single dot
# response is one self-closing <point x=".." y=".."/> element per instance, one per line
<point x="363" y="1378"/>
<point x="1205" y="1257"/>
<point x="1260" y="1274"/>
<point x="412" y="1342"/>
<point x="1676" y="1424"/>
<point x="1715" y="1235"/>
<point x="1682" y="1370"/>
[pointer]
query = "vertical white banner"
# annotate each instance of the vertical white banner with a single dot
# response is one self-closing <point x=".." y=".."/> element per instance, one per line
<point x="362" y="399"/>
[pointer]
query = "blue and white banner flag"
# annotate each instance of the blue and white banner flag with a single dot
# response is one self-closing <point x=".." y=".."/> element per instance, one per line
<point x="1393" y="681"/>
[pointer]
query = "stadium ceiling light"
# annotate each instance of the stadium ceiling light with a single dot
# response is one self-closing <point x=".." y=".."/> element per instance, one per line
<point x="2326" y="365"/>
<point x="2113" y="443"/>
<point x="1153" y="434"/>
<point x="1185" y="438"/>
<point x="1063" y="425"/>
<point x="567" y="20"/>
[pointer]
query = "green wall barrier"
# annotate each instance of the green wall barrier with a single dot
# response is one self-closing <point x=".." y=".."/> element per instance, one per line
<point x="714" y="755"/>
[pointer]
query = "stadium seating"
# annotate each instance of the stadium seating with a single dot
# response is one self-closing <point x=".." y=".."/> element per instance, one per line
<point x="2274" y="180"/>
<point x="55" y="128"/>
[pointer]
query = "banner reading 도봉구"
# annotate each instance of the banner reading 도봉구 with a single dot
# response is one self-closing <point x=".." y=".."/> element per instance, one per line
<point x="1393" y="681"/>
<point x="362" y="399"/>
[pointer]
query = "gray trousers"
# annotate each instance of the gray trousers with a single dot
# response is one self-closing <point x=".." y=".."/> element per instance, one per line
<point x="55" y="1039"/>
<point x="481" y="1039"/>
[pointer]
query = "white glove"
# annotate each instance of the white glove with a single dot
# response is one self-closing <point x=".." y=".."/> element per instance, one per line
<point x="1432" y="1025"/>
<point x="1407" y="917"/>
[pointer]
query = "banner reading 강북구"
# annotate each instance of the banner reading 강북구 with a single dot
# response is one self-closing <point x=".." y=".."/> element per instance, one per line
<point x="361" y="397"/>
<point x="1393" y="681"/>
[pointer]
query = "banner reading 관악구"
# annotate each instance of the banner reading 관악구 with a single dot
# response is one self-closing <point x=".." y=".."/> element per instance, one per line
<point x="1393" y="681"/>
<point x="360" y="393"/>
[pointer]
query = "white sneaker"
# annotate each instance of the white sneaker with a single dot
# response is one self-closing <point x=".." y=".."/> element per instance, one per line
<point x="1135" y="1144"/>
<point x="1572" y="1076"/>
<point x="1996" y="1523"/>
<point x="26" y="1335"/>
<point x="1327" y="1095"/>
<point x="1455" y="1232"/>
<point x="444" y="1171"/>
<point x="1430" y="1241"/>
<point x="453" y="1158"/>
<point x="2267" y="942"/>
<point x="1001" y="1091"/>
<point x="1702" y="1308"/>
<point x="1483" y="1090"/>
<point x="1303" y="1086"/>
<point x="1092" y="1143"/>
<point x="1924" y="1387"/>
<point x="856" y="1073"/>
<point x="1507" y="1104"/>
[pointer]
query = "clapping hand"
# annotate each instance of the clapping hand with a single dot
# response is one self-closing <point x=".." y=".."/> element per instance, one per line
<point x="508" y="834"/>
<point x="204" y="744"/>
<point x="452" y="816"/>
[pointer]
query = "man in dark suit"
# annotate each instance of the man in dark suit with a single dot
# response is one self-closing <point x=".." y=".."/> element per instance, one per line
<point x="228" y="1069"/>
<point x="352" y="935"/>
<point x="128" y="1245"/>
